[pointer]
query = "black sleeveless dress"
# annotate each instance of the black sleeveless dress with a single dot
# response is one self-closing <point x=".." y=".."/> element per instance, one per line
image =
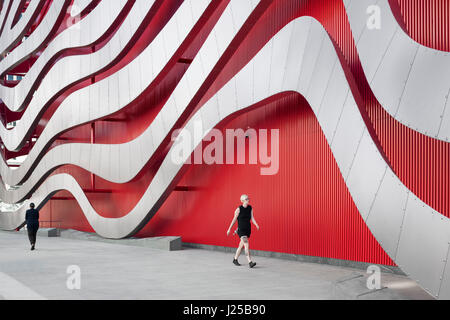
<point x="244" y="227"/>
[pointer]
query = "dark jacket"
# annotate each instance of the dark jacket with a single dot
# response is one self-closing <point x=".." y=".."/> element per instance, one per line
<point x="32" y="218"/>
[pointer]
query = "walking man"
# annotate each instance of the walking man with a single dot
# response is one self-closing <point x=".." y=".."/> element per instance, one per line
<point x="32" y="221"/>
<point x="243" y="215"/>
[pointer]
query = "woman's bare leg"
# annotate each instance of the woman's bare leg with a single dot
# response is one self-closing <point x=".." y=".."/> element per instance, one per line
<point x="247" y="251"/>
<point x="239" y="249"/>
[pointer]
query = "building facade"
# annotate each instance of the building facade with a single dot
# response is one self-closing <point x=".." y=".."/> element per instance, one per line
<point x="349" y="100"/>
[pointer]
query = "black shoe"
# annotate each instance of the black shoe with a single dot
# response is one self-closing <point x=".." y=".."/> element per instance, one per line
<point x="252" y="264"/>
<point x="236" y="262"/>
<point x="32" y="247"/>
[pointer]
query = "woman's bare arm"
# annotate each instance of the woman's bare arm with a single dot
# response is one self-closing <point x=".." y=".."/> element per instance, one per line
<point x="254" y="221"/>
<point x="236" y="214"/>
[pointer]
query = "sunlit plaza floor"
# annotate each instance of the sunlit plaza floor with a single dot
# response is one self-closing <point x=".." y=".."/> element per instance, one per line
<point x="115" y="271"/>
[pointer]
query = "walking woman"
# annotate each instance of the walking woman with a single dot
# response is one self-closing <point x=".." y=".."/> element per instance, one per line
<point x="32" y="221"/>
<point x="243" y="215"/>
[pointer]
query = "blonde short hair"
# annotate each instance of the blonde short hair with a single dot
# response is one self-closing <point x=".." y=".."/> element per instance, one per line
<point x="243" y="197"/>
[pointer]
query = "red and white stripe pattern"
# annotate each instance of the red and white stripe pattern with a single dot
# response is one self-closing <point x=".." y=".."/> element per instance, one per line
<point x="223" y="57"/>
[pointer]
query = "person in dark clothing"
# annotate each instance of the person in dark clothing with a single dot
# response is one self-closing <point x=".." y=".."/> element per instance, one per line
<point x="32" y="221"/>
<point x="243" y="215"/>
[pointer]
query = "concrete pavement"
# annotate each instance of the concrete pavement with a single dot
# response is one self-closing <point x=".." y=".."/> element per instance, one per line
<point x="114" y="271"/>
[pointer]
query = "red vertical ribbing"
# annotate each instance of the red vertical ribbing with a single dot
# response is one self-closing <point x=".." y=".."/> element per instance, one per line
<point x="426" y="21"/>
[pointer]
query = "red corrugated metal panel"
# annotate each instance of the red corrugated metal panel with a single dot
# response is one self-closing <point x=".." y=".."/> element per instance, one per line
<point x="426" y="21"/>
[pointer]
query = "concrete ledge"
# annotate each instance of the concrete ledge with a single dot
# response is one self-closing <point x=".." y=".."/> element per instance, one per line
<point x="43" y="232"/>
<point x="301" y="258"/>
<point x="170" y="243"/>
